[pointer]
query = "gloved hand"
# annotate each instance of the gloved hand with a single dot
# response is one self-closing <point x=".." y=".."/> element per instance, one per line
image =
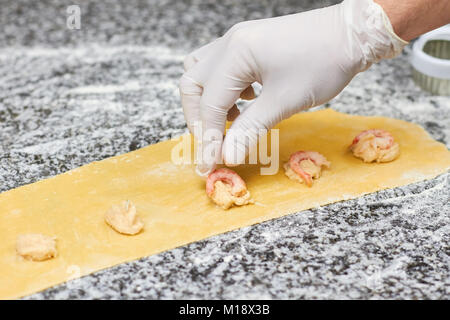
<point x="301" y="60"/>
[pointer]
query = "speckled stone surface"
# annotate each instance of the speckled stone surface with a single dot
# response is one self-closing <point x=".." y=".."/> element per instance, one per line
<point x="69" y="97"/>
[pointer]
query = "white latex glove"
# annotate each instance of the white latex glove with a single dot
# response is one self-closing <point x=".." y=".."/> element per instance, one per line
<point x="301" y="60"/>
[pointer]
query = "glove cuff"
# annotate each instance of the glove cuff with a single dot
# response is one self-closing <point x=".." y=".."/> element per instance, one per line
<point x="371" y="31"/>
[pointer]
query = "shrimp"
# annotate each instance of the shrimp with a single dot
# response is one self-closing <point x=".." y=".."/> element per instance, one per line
<point x="384" y="138"/>
<point x="226" y="189"/>
<point x="375" y="145"/>
<point x="299" y="156"/>
<point x="228" y="176"/>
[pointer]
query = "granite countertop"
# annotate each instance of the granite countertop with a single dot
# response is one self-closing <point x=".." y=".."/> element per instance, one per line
<point x="70" y="97"/>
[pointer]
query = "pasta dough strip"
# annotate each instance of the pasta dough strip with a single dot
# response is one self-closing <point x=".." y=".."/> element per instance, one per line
<point x="172" y="202"/>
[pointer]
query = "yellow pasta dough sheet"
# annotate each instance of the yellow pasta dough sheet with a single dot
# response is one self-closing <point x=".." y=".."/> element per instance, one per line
<point x="172" y="202"/>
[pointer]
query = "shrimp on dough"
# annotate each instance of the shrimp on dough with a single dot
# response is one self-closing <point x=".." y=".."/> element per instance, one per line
<point x="226" y="188"/>
<point x="375" y="145"/>
<point x="303" y="166"/>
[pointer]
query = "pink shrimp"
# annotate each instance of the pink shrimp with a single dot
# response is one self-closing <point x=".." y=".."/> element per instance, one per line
<point x="228" y="176"/>
<point x="299" y="156"/>
<point x="385" y="140"/>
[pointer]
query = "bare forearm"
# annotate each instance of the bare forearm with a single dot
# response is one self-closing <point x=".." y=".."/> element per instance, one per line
<point x="412" y="18"/>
